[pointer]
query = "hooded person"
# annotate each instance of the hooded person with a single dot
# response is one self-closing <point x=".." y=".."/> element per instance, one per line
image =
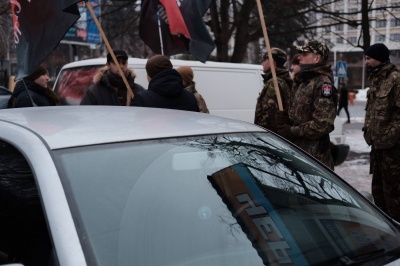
<point x="382" y="128"/>
<point x="165" y="88"/>
<point x="108" y="87"/>
<point x="33" y="90"/>
<point x="190" y="85"/>
<point x="267" y="102"/>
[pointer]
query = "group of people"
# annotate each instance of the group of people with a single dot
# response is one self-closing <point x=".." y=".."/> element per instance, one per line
<point x="168" y="87"/>
<point x="310" y="100"/>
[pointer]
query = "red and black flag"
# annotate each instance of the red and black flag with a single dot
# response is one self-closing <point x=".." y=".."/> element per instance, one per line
<point x="180" y="25"/>
<point x="39" y="26"/>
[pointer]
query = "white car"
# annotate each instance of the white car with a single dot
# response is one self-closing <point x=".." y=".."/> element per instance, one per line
<point x="122" y="186"/>
<point x="229" y="89"/>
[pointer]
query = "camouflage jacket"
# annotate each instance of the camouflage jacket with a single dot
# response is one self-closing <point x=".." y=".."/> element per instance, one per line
<point x="382" y="117"/>
<point x="267" y="103"/>
<point x="313" y="111"/>
<point x="200" y="100"/>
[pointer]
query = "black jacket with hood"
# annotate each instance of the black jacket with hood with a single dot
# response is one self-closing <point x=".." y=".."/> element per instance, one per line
<point x="101" y="92"/>
<point x="30" y="93"/>
<point x="166" y="90"/>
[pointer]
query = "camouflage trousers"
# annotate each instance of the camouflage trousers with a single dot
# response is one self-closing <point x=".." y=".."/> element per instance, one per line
<point x="385" y="169"/>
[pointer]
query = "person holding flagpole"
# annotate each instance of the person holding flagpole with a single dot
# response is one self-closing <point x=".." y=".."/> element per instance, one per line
<point x="166" y="88"/>
<point x="267" y="103"/>
<point x="108" y="87"/>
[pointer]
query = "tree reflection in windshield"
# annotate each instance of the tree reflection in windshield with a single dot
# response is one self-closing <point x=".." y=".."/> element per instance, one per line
<point x="279" y="165"/>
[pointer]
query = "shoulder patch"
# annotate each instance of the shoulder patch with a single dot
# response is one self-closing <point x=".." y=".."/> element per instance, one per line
<point x="327" y="90"/>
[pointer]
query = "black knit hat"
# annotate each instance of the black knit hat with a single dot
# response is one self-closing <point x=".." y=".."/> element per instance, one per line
<point x="41" y="70"/>
<point x="378" y="51"/>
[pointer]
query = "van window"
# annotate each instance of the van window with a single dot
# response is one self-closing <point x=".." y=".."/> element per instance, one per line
<point x="73" y="83"/>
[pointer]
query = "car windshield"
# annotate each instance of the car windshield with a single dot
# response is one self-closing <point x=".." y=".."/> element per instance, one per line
<point x="233" y="199"/>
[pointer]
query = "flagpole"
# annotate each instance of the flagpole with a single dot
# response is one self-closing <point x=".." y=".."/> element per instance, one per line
<point x="110" y="50"/>
<point x="274" y="78"/>
<point x="160" y="32"/>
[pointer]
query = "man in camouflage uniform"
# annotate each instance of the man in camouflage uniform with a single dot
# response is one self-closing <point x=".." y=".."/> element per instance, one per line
<point x="267" y="104"/>
<point x="382" y="129"/>
<point x="312" y="113"/>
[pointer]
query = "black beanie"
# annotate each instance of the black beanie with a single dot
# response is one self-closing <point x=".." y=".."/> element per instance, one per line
<point x="41" y="70"/>
<point x="378" y="51"/>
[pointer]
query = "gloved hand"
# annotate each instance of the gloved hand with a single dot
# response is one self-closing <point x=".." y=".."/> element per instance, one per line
<point x="284" y="131"/>
<point x="282" y="118"/>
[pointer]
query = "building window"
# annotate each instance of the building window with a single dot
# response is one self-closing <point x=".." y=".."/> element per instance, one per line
<point x="395" y="37"/>
<point x="353" y="40"/>
<point x="353" y="11"/>
<point x="394" y="22"/>
<point x="339" y="27"/>
<point x="339" y="40"/>
<point x="379" y="38"/>
<point x="380" y="23"/>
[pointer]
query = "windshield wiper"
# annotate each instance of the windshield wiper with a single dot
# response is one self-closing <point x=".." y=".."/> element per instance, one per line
<point x="371" y="256"/>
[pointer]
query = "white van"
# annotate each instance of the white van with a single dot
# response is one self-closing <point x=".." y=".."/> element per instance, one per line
<point x="229" y="89"/>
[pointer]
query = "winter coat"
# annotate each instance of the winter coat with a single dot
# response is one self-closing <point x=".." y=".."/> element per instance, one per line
<point x="166" y="91"/>
<point x="267" y="103"/>
<point x="102" y="92"/>
<point x="344" y="97"/>
<point x="313" y="111"/>
<point x="26" y="91"/>
<point x="201" y="103"/>
<point x="382" y="117"/>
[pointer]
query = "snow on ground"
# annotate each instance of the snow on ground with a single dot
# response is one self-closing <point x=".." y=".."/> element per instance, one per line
<point x="355" y="170"/>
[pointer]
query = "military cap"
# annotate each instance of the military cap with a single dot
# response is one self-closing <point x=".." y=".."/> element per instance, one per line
<point x="278" y="55"/>
<point x="315" y="47"/>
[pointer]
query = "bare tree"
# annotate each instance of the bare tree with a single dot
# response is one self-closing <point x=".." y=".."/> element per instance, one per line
<point x="235" y="25"/>
<point x="6" y="30"/>
<point x="360" y="17"/>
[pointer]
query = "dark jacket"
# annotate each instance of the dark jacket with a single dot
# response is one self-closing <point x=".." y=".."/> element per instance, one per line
<point x="102" y="92"/>
<point x="344" y="97"/>
<point x="313" y="111"/>
<point x="267" y="103"/>
<point x="382" y="117"/>
<point x="39" y="95"/>
<point x="166" y="91"/>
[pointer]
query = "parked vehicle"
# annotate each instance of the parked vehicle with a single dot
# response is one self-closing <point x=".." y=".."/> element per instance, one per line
<point x="230" y="90"/>
<point x="145" y="186"/>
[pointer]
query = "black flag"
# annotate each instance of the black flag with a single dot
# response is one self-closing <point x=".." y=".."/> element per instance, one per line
<point x="39" y="26"/>
<point x="200" y="43"/>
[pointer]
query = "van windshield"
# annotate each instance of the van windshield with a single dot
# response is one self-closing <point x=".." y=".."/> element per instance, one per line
<point x="72" y="83"/>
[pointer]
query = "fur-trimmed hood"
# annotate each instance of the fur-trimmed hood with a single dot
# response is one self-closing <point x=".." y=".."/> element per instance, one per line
<point x="97" y="77"/>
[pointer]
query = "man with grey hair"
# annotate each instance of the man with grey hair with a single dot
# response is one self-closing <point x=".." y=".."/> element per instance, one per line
<point x="311" y="115"/>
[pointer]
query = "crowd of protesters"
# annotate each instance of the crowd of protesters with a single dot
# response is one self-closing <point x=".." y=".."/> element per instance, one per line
<point x="309" y="99"/>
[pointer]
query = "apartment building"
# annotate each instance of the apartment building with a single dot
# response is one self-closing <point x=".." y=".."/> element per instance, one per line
<point x="343" y="38"/>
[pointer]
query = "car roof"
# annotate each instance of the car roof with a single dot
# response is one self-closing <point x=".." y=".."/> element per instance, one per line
<point x="70" y="126"/>
<point x="175" y="62"/>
